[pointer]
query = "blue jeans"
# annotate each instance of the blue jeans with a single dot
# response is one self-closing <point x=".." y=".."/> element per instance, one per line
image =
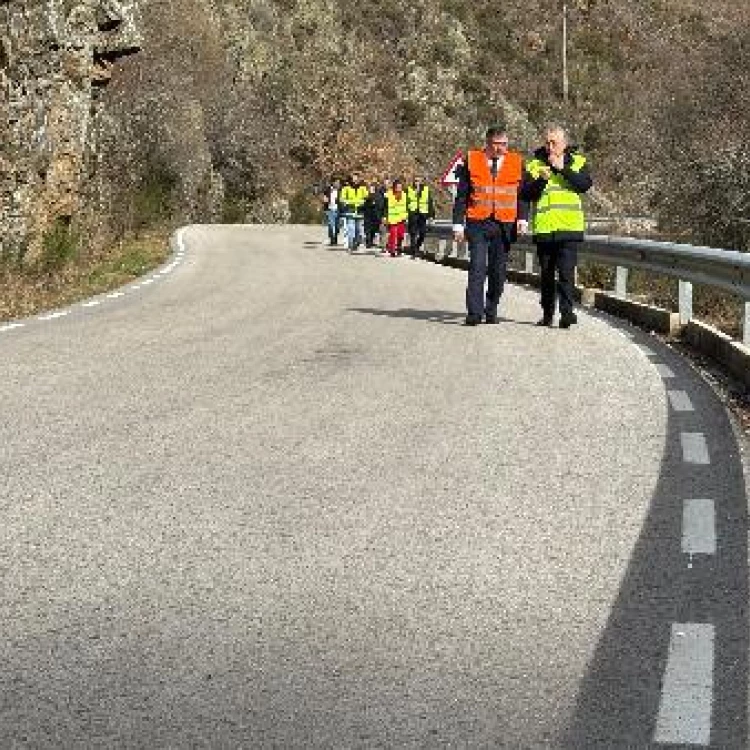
<point x="354" y="230"/>
<point x="332" y="219"/>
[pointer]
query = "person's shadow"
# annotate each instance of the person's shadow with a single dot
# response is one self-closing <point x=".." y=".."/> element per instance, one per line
<point x="443" y="317"/>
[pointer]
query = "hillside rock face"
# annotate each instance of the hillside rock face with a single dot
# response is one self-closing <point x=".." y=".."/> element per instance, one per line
<point x="54" y="57"/>
<point x="235" y="110"/>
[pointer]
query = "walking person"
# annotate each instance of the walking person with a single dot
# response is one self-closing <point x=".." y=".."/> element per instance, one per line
<point x="396" y="216"/>
<point x="330" y="200"/>
<point x="487" y="211"/>
<point x="383" y="191"/>
<point x="421" y="209"/>
<point x="554" y="181"/>
<point x="372" y="210"/>
<point x="352" y="199"/>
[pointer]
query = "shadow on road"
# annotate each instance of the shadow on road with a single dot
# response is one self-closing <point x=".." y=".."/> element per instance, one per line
<point x="621" y="690"/>
<point x="433" y="316"/>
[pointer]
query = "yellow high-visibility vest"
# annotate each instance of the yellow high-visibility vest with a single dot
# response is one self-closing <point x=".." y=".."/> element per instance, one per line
<point x="419" y="202"/>
<point x="398" y="209"/>
<point x="560" y="208"/>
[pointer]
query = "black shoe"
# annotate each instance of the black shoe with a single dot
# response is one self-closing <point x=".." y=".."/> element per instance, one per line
<point x="472" y="320"/>
<point x="568" y="319"/>
<point x="491" y="319"/>
<point x="545" y="321"/>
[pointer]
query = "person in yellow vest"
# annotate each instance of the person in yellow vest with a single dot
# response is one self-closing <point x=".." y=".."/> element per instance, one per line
<point x="352" y="200"/>
<point x="554" y="181"/>
<point x="421" y="209"/>
<point x="396" y="215"/>
<point x="488" y="213"/>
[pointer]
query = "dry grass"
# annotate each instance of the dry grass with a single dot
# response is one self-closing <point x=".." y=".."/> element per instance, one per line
<point x="28" y="291"/>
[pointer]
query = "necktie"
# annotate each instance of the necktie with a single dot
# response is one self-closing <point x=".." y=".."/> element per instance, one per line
<point x="494" y="167"/>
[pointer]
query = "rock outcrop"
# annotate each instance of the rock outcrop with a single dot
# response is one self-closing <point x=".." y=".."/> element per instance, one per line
<point x="54" y="56"/>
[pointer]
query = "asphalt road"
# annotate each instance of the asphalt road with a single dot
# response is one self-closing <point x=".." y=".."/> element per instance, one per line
<point x="281" y="498"/>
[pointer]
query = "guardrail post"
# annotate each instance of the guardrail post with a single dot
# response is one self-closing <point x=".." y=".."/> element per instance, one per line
<point x="621" y="282"/>
<point x="441" y="248"/>
<point x="746" y="325"/>
<point x="685" y="301"/>
<point x="529" y="261"/>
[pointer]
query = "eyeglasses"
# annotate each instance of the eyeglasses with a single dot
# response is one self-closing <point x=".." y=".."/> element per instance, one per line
<point x="499" y="143"/>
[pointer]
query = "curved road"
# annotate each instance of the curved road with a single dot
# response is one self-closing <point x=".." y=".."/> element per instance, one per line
<point x="281" y="498"/>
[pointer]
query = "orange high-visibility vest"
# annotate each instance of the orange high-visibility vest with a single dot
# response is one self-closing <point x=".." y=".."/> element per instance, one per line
<point x="494" y="197"/>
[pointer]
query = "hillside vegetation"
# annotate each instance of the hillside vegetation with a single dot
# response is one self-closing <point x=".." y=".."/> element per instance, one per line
<point x="237" y="109"/>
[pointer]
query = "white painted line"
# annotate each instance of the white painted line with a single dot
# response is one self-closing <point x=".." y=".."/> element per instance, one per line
<point x="699" y="527"/>
<point x="92" y="303"/>
<point x="11" y="326"/>
<point x="52" y="316"/>
<point x="648" y="352"/>
<point x="147" y="282"/>
<point x="664" y="371"/>
<point x="687" y="688"/>
<point x="114" y="295"/>
<point x="680" y="401"/>
<point x="694" y="448"/>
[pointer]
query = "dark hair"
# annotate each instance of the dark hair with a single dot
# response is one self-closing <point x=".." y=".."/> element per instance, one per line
<point x="495" y="130"/>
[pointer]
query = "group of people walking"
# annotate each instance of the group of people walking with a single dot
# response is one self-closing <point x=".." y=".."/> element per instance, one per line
<point x="384" y="211"/>
<point x="499" y="196"/>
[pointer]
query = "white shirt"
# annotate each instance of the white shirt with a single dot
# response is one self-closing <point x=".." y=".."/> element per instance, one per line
<point x="333" y="198"/>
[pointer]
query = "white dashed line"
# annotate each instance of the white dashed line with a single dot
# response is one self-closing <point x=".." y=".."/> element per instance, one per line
<point x="147" y="282"/>
<point x="694" y="448"/>
<point x="680" y="401"/>
<point x="115" y="295"/>
<point x="54" y="315"/>
<point x="11" y="326"/>
<point x="687" y="688"/>
<point x="91" y="303"/>
<point x="699" y="527"/>
<point x="664" y="371"/>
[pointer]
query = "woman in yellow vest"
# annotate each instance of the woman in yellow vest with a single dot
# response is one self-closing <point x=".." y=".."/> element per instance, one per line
<point x="395" y="217"/>
<point x="554" y="181"/>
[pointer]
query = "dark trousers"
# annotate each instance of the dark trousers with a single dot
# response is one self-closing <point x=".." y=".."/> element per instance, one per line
<point x="489" y="245"/>
<point x="417" y="232"/>
<point x="557" y="259"/>
<point x="372" y="227"/>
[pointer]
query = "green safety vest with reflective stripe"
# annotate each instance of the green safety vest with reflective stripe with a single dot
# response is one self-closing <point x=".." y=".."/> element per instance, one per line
<point x="398" y="209"/>
<point x="560" y="208"/>
<point x="352" y="199"/>
<point x="419" y="202"/>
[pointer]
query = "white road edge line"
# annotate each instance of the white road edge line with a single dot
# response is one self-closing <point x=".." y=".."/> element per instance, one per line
<point x="694" y="448"/>
<point x="699" y="527"/>
<point x="680" y="401"/>
<point x="664" y="371"/>
<point x="54" y="315"/>
<point x="687" y="688"/>
<point x="11" y="326"/>
<point x="91" y="303"/>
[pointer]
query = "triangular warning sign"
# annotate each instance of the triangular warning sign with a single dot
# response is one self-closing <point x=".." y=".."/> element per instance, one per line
<point x="449" y="176"/>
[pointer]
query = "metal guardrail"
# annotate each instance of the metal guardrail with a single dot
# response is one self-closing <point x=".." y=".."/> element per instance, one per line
<point x="689" y="264"/>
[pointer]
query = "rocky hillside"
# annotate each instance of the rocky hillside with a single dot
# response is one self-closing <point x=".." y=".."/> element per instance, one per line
<point x="123" y="114"/>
